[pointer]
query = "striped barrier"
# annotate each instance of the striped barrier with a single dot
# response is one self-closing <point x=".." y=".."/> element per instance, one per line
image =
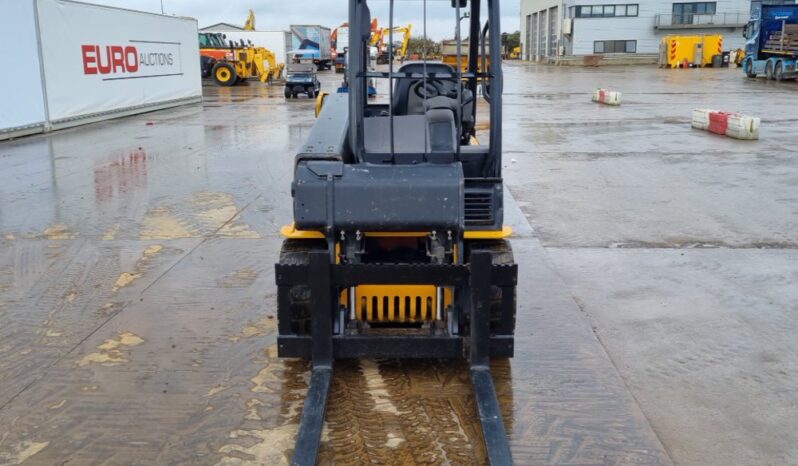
<point x="730" y="124"/>
<point x="603" y="96"/>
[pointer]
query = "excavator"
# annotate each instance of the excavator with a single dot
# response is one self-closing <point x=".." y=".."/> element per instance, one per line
<point x="398" y="247"/>
<point x="249" y="25"/>
<point x="382" y="46"/>
<point x="231" y="63"/>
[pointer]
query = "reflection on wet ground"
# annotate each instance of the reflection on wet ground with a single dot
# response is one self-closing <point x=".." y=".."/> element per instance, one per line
<point x="137" y="320"/>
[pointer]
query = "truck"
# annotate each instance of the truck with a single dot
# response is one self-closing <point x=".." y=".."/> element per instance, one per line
<point x="311" y="44"/>
<point x="772" y="43"/>
<point x="340" y="44"/>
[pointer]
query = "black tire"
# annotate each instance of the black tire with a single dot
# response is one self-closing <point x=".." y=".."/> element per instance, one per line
<point x="778" y="73"/>
<point x="769" y="70"/>
<point x="311" y="94"/>
<point x="287" y="93"/>
<point x="297" y="252"/>
<point x="206" y="66"/>
<point x="224" y="74"/>
<point x="502" y="254"/>
<point x="749" y="68"/>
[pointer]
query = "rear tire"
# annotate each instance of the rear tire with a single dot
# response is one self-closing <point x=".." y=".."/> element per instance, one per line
<point x="224" y="74"/>
<point x="297" y="252"/>
<point x="749" y="68"/>
<point x="769" y="70"/>
<point x="287" y="93"/>
<point x="778" y="73"/>
<point x="311" y="94"/>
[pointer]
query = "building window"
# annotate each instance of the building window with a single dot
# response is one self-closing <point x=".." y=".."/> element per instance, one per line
<point x="615" y="46"/>
<point x="603" y="11"/>
<point x="683" y="13"/>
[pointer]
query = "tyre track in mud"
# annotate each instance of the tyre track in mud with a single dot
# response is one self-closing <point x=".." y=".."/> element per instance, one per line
<point x="402" y="412"/>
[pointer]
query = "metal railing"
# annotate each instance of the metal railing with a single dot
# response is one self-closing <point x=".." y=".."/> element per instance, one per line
<point x="691" y="20"/>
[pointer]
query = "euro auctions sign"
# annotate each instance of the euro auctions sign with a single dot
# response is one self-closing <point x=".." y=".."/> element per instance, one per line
<point x="100" y="60"/>
<point x="136" y="59"/>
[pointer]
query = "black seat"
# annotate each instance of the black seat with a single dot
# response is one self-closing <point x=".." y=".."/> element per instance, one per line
<point x="402" y="89"/>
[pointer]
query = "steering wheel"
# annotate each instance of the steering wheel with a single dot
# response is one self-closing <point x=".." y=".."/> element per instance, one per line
<point x="429" y="89"/>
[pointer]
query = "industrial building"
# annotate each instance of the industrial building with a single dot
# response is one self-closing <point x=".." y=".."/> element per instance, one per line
<point x="553" y="29"/>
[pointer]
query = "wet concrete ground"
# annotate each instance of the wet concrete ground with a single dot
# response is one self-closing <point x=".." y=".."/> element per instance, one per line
<point x="656" y="311"/>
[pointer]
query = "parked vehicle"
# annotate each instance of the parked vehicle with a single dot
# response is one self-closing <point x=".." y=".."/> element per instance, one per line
<point x="398" y="247"/>
<point x="772" y="47"/>
<point x="312" y="44"/>
<point x="301" y="79"/>
<point x="229" y="63"/>
<point x="340" y="45"/>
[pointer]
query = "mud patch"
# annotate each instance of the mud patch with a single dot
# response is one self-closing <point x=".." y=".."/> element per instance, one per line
<point x="22" y="452"/>
<point x="267" y="446"/>
<point x="218" y="211"/>
<point x="152" y="251"/>
<point x="239" y="279"/>
<point x="159" y="224"/>
<point x="58" y="232"/>
<point x="113" y="351"/>
<point x="110" y="233"/>
<point x="261" y="328"/>
<point x="203" y="213"/>
<point x="279" y="390"/>
<point x="125" y="279"/>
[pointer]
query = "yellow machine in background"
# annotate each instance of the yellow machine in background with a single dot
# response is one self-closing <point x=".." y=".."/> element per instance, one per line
<point x="449" y="54"/>
<point x="696" y="50"/>
<point x="515" y="54"/>
<point x="230" y="63"/>
<point x="250" y="24"/>
<point x="379" y="40"/>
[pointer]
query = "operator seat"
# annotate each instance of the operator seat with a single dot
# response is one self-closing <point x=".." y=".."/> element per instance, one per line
<point x="408" y="98"/>
<point x="405" y="101"/>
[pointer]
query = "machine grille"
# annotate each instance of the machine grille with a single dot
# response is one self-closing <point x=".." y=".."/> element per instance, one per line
<point x="479" y="208"/>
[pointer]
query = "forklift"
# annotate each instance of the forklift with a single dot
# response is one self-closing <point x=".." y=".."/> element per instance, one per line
<point x="398" y="247"/>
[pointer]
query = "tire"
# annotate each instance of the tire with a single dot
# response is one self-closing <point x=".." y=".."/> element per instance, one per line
<point x="224" y="74"/>
<point x="778" y="73"/>
<point x="287" y="93"/>
<point x="502" y="254"/>
<point x="311" y="94"/>
<point x="749" y="68"/>
<point x="297" y="252"/>
<point x="769" y="70"/>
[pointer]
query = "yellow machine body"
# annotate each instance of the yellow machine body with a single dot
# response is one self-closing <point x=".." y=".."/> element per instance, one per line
<point x="697" y="50"/>
<point x="396" y="303"/>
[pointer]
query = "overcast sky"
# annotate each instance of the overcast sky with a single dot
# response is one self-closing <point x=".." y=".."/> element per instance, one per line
<point x="279" y="14"/>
